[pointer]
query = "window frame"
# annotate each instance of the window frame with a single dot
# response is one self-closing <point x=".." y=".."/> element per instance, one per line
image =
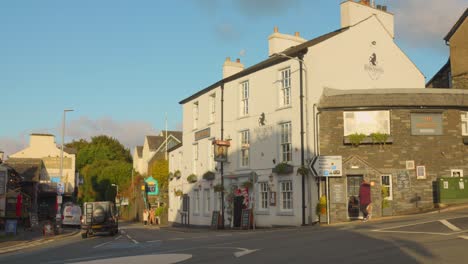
<point x="285" y="145"/>
<point x="196" y="201"/>
<point x="263" y="189"/>
<point x="347" y="130"/>
<point x="244" y="159"/>
<point x="244" y="98"/>
<point x="285" y="87"/>
<point x="283" y="192"/>
<point x="212" y="108"/>
<point x="389" y="186"/>
<point x="195" y="114"/>
<point x="195" y="154"/>
<point x="206" y="201"/>
<point x="464" y="123"/>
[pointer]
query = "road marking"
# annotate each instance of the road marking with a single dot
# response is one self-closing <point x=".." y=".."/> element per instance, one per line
<point x="153" y="241"/>
<point x="244" y="252"/>
<point x="464" y="237"/>
<point x="449" y="225"/>
<point x="133" y="240"/>
<point x="117" y="238"/>
<point x="105" y="243"/>
<point x="177" y="238"/>
<point x="223" y="235"/>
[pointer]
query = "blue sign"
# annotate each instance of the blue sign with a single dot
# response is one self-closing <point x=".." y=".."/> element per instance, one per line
<point x="152" y="185"/>
<point x="55" y="179"/>
<point x="10" y="226"/>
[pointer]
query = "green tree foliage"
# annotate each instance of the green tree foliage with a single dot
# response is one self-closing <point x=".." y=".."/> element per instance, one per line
<point x="102" y="162"/>
<point x="160" y="172"/>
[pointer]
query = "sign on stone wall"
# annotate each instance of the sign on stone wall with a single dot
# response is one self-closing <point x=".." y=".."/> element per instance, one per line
<point x="426" y="124"/>
<point x="337" y="193"/>
<point x="403" y="180"/>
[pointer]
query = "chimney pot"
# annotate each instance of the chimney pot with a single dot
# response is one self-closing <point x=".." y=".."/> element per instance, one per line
<point x="365" y="2"/>
<point x="297" y="34"/>
<point x="238" y="60"/>
<point x="384" y="8"/>
<point x="275" y="29"/>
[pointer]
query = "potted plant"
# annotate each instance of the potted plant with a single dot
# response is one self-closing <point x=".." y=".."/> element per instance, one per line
<point x="178" y="192"/>
<point x="209" y="176"/>
<point x="192" y="178"/>
<point x="303" y="171"/>
<point x="379" y="138"/>
<point x="321" y="209"/>
<point x="218" y="188"/>
<point x="386" y="209"/>
<point x="356" y="138"/>
<point x="283" y="168"/>
<point x="177" y="174"/>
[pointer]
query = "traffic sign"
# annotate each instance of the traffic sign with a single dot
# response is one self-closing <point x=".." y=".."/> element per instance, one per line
<point x="327" y="166"/>
<point x="60" y="188"/>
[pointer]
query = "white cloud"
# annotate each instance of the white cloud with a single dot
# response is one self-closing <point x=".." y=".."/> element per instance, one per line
<point x="129" y="133"/>
<point x="425" y="22"/>
<point x="12" y="145"/>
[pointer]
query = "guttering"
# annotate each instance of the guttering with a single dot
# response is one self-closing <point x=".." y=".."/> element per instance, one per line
<point x="416" y="107"/>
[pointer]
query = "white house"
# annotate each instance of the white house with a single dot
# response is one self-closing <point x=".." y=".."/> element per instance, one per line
<point x="259" y="110"/>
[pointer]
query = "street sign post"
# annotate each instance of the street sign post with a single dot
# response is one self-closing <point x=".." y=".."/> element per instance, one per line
<point x="327" y="166"/>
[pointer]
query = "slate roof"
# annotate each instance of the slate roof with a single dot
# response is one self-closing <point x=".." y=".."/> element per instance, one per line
<point x="154" y="142"/>
<point x="175" y="147"/>
<point x="272" y="60"/>
<point x="139" y="151"/>
<point x="70" y="150"/>
<point x="457" y="25"/>
<point x="419" y="98"/>
<point x="29" y="169"/>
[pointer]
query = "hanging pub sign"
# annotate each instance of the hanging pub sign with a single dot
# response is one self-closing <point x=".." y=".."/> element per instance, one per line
<point x="153" y="188"/>
<point x="221" y="150"/>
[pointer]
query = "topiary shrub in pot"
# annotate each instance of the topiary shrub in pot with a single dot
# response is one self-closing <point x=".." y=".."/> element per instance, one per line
<point x="209" y="176"/>
<point x="192" y="178"/>
<point x="283" y="168"/>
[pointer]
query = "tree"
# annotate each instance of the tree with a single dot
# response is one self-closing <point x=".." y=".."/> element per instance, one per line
<point x="160" y="172"/>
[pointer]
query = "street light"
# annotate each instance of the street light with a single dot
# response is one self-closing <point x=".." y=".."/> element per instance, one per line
<point x="59" y="195"/>
<point x="117" y="187"/>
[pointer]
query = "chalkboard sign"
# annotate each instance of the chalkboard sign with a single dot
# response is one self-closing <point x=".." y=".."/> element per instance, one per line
<point x="337" y="193"/>
<point x="403" y="180"/>
<point x="246" y="219"/>
<point x="215" y="220"/>
<point x="34" y="220"/>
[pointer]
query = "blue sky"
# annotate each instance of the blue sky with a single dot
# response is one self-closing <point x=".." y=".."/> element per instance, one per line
<point x="122" y="64"/>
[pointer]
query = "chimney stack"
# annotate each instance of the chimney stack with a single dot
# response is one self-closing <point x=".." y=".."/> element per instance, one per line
<point x="365" y="2"/>
<point x="353" y="12"/>
<point x="278" y="42"/>
<point x="231" y="67"/>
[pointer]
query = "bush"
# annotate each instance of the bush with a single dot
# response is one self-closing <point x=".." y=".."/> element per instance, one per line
<point x="356" y="138"/>
<point x="321" y="208"/>
<point x="209" y="176"/>
<point x="192" y="178"/>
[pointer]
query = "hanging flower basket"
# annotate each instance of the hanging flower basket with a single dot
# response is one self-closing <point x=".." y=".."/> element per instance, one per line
<point x="170" y="176"/>
<point x="247" y="184"/>
<point x="283" y="168"/>
<point x="177" y="174"/>
<point x="178" y="193"/>
<point x="209" y="176"/>
<point x="218" y="188"/>
<point x="192" y="178"/>
<point x="303" y="171"/>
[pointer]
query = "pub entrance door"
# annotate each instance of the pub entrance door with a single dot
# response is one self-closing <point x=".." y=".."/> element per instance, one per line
<point x="353" y="183"/>
<point x="238" y="206"/>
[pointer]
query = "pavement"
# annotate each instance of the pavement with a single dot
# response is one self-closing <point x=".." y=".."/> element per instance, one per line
<point x="26" y="238"/>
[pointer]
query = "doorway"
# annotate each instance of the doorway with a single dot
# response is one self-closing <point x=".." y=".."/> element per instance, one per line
<point x="238" y="206"/>
<point x="353" y="183"/>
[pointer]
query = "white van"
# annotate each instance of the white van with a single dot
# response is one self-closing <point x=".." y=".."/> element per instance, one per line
<point x="71" y="214"/>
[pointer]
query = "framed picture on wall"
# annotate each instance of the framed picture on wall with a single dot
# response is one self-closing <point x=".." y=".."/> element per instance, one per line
<point x="410" y="164"/>
<point x="456" y="173"/>
<point x="421" y="172"/>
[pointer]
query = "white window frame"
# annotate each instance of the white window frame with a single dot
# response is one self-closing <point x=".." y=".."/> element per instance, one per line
<point x="464" y="123"/>
<point x="195" y="114"/>
<point x="207" y="200"/>
<point x="194" y="158"/>
<point x="216" y="201"/>
<point x="285" y="142"/>
<point x="196" y="202"/>
<point x="244" y="102"/>
<point x="286" y="196"/>
<point x="263" y="196"/>
<point x="365" y="122"/>
<point x="212" y="114"/>
<point x="389" y="185"/>
<point x="211" y="163"/>
<point x="285" y="89"/>
<point x="245" y="148"/>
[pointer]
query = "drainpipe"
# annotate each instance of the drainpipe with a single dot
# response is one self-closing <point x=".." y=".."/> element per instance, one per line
<point x="301" y="89"/>
<point x="222" y="163"/>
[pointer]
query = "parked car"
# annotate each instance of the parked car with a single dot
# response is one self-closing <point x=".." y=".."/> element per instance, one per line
<point x="99" y="217"/>
<point x="71" y="214"/>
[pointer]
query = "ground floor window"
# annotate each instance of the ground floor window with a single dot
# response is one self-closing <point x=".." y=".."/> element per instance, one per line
<point x="286" y="196"/>
<point x="263" y="195"/>
<point x="196" y="202"/>
<point x="387" y="187"/>
<point x="207" y="199"/>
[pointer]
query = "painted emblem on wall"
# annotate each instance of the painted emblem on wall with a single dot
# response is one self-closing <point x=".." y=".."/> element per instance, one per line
<point x="373" y="68"/>
<point x="261" y="119"/>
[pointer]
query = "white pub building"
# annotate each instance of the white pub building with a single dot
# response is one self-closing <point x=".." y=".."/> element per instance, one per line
<point x="270" y="127"/>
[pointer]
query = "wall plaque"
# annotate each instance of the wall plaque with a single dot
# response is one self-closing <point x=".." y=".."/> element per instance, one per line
<point x="202" y="134"/>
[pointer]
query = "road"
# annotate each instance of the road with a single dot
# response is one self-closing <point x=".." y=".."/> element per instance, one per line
<point x="428" y="238"/>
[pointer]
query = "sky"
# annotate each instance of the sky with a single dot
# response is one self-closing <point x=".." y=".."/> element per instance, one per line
<point x="121" y="65"/>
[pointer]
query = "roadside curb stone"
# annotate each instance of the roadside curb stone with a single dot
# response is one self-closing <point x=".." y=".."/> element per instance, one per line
<point x="36" y="242"/>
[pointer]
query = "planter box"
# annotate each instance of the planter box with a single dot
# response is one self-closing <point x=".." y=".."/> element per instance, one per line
<point x="367" y="141"/>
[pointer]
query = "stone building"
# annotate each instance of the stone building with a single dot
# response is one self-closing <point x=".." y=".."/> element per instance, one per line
<point x="266" y="113"/>
<point x="454" y="74"/>
<point x="426" y="138"/>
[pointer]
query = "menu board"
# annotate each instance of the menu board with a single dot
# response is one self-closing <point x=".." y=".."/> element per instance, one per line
<point x="245" y="220"/>
<point x="34" y="220"/>
<point x="403" y="180"/>
<point x="337" y="193"/>
<point x="215" y="220"/>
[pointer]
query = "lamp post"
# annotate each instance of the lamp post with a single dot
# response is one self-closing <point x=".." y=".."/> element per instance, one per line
<point x="59" y="195"/>
<point x="300" y="59"/>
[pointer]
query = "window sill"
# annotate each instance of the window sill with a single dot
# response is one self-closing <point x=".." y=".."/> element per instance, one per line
<point x="367" y="141"/>
<point x="284" y="107"/>
<point x="262" y="212"/>
<point x="285" y="213"/>
<point x="243" y="117"/>
<point x="210" y="123"/>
